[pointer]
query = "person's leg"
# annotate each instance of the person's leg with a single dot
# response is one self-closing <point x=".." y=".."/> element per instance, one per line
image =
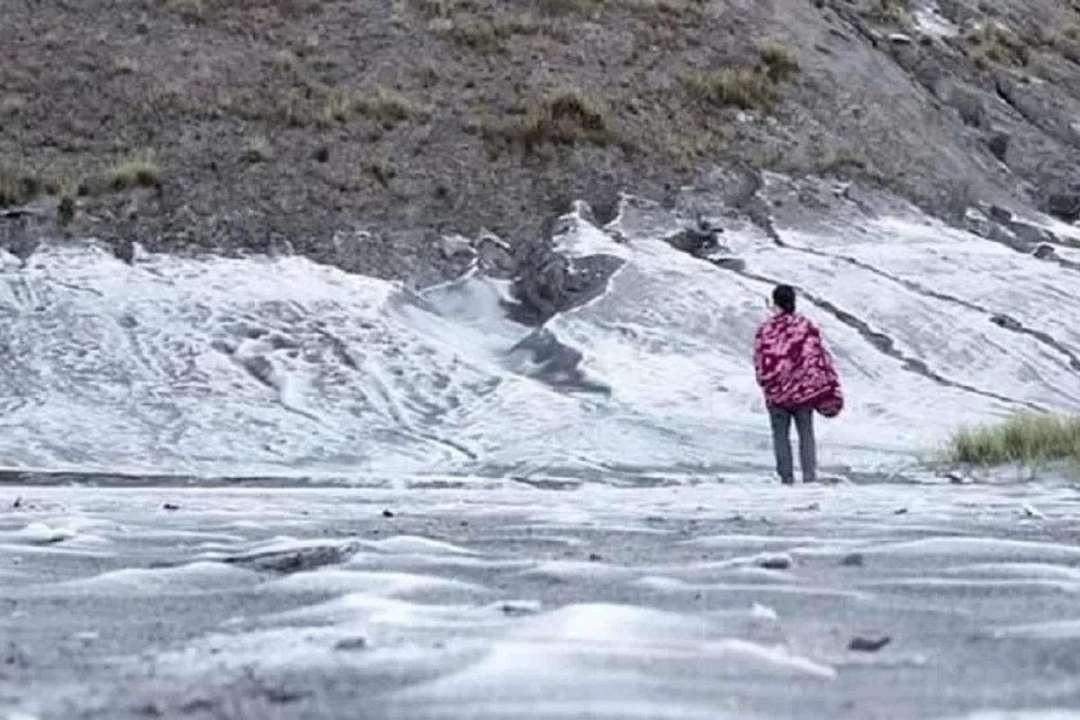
<point x="804" y="423"/>
<point x="781" y="435"/>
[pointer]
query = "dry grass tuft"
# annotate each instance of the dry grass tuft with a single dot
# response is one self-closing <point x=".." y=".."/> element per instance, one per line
<point x="741" y="87"/>
<point x="994" y="43"/>
<point x="18" y="185"/>
<point x="748" y="88"/>
<point x="139" y="170"/>
<point x="565" y="117"/>
<point x="388" y="107"/>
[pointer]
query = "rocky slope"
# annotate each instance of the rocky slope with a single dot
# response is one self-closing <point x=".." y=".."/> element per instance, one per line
<point x="361" y="133"/>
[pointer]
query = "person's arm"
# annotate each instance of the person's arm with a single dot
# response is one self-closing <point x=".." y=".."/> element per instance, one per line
<point x="822" y="353"/>
<point x="759" y="357"/>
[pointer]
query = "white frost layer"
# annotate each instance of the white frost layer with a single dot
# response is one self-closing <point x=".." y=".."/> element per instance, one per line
<point x="282" y="367"/>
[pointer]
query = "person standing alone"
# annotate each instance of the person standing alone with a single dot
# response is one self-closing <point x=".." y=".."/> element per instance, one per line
<point x="797" y="377"/>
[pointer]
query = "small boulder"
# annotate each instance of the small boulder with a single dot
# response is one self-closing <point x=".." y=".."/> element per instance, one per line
<point x="1065" y="206"/>
<point x="998" y="144"/>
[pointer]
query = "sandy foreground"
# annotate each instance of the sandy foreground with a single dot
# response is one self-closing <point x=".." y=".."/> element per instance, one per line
<point x="454" y="598"/>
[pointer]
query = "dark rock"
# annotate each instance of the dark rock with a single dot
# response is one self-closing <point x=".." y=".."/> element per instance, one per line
<point x="170" y="506"/>
<point x="1004" y="321"/>
<point x="998" y="143"/>
<point x="124" y="250"/>
<point x="387" y="513"/>
<point x="322" y="154"/>
<point x="868" y="644"/>
<point x="852" y="560"/>
<point x="775" y="562"/>
<point x="595" y="557"/>
<point x="1000" y="214"/>
<point x="543" y="356"/>
<point x="900" y="511"/>
<point x="353" y="643"/>
<point x="699" y="240"/>
<point x="548" y="283"/>
<point x="1044" y="252"/>
<point x="1065" y="206"/>
<point x="17" y="504"/>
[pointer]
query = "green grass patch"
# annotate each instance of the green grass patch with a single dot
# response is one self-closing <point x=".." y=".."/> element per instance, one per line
<point x="1026" y="438"/>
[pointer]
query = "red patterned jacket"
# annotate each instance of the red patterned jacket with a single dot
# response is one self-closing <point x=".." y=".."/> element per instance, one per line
<point x="793" y="367"/>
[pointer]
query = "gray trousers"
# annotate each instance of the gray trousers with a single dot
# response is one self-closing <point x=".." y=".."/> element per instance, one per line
<point x="781" y="429"/>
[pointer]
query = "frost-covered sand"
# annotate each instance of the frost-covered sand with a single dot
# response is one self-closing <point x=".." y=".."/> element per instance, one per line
<point x="580" y="521"/>
<point x="703" y="598"/>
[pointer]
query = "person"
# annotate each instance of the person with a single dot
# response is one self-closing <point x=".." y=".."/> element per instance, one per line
<point x="797" y="377"/>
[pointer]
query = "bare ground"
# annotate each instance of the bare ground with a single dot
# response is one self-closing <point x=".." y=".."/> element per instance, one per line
<point x="271" y="125"/>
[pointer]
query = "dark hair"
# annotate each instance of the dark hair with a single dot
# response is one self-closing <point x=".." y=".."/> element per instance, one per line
<point x="784" y="298"/>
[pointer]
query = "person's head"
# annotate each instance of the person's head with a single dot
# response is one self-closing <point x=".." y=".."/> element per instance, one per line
<point x="783" y="297"/>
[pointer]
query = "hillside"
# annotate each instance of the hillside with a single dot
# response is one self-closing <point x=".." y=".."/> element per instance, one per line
<point x="276" y="125"/>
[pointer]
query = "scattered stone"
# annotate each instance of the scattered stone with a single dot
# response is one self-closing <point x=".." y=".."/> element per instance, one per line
<point x="1045" y="251"/>
<point x="812" y="507"/>
<point x="900" y="511"/>
<point x="1001" y="214"/>
<point x="595" y="557"/>
<point x="453" y="246"/>
<point x="955" y="478"/>
<point x="387" y="513"/>
<point x="779" y="561"/>
<point x="322" y="154"/>
<point x="852" y="560"/>
<point x="900" y="39"/>
<point x="1032" y="512"/>
<point x="519" y="608"/>
<point x="868" y="644"/>
<point x="170" y="506"/>
<point x="17" y="504"/>
<point x="353" y="643"/>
